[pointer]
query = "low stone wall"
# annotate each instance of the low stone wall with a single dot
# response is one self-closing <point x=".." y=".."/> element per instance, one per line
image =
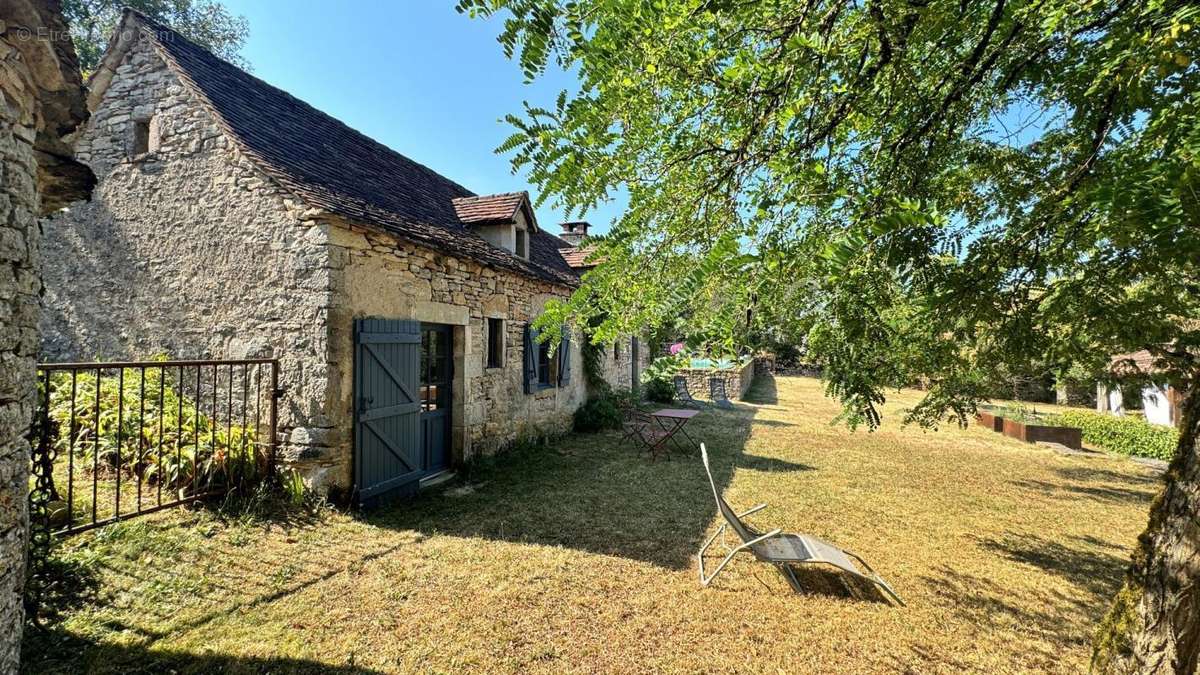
<point x="737" y="380"/>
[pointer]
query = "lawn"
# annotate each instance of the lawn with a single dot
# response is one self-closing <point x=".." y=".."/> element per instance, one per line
<point x="579" y="557"/>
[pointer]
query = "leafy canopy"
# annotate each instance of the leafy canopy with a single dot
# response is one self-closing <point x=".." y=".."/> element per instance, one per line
<point x="922" y="188"/>
<point x="205" y="22"/>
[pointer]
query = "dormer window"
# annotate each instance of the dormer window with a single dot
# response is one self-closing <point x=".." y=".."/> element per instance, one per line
<point x="505" y="220"/>
<point x="522" y="248"/>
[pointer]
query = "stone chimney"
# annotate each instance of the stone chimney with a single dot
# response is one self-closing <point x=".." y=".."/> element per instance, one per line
<point x="574" y="232"/>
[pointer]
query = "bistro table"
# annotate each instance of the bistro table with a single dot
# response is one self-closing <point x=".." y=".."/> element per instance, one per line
<point x="672" y="421"/>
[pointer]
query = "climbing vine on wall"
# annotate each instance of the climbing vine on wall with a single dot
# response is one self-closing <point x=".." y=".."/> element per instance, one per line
<point x="593" y="361"/>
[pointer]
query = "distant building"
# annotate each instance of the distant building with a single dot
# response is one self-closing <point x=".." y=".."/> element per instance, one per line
<point x="1160" y="400"/>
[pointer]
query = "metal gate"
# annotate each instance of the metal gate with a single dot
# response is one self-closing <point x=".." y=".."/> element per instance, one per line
<point x="118" y="439"/>
<point x="388" y="458"/>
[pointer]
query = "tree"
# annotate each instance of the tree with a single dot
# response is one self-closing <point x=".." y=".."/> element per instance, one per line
<point x="928" y="188"/>
<point x="205" y="22"/>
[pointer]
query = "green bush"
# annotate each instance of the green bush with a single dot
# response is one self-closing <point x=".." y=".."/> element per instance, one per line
<point x="659" y="391"/>
<point x="1124" y="435"/>
<point x="196" y="449"/>
<point x="598" y="414"/>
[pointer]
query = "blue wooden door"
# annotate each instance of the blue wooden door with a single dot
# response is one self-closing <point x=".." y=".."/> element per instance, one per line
<point x="437" y="377"/>
<point x="388" y="453"/>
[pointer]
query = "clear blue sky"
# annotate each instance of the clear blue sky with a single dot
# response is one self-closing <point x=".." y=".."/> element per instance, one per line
<point x="414" y="75"/>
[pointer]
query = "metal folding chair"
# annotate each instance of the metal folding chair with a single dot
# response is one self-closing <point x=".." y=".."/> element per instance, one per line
<point x="777" y="548"/>
<point x="716" y="390"/>
<point x="649" y="434"/>
<point x="684" y="394"/>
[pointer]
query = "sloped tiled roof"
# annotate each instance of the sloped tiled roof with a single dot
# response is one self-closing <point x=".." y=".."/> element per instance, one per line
<point x="545" y="247"/>
<point x="334" y="168"/>
<point x="484" y="209"/>
<point x="1134" y="363"/>
<point x="577" y="256"/>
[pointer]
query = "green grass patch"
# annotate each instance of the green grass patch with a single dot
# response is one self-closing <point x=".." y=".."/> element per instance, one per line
<point x="578" y="555"/>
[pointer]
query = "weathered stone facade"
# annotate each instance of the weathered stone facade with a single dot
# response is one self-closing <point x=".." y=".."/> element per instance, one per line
<point x="40" y="99"/>
<point x="618" y="362"/>
<point x="186" y="250"/>
<point x="377" y="275"/>
<point x="189" y="249"/>
<point x="19" y="287"/>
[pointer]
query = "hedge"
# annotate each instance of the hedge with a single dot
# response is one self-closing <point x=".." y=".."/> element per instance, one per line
<point x="1124" y="435"/>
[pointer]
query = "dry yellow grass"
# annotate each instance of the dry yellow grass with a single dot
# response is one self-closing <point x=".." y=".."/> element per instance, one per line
<point x="580" y="559"/>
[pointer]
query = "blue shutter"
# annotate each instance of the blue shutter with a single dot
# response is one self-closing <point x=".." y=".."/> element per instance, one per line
<point x="530" y="359"/>
<point x="564" y="358"/>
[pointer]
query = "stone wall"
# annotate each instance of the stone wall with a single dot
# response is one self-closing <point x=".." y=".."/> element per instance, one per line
<point x="618" y="362"/>
<point x="188" y="251"/>
<point x="737" y="380"/>
<point x="378" y="275"/>
<point x="19" y="289"/>
<point x="41" y="100"/>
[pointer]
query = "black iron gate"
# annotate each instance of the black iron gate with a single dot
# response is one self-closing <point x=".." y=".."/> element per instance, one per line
<point x="388" y="455"/>
<point x="113" y="440"/>
<point x="119" y="439"/>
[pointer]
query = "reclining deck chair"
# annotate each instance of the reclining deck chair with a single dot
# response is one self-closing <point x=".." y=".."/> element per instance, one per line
<point x="779" y="549"/>
<point x="684" y="394"/>
<point x="716" y="391"/>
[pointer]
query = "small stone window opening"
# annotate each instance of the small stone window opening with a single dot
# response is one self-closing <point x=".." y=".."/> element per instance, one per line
<point x="522" y="244"/>
<point x="616" y="351"/>
<point x="141" y="138"/>
<point x="495" y="343"/>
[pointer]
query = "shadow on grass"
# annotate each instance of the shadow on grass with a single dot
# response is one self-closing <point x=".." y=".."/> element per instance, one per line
<point x="60" y="652"/>
<point x="1099" y="573"/>
<point x="123" y="619"/>
<point x="1106" y="493"/>
<point x="1095" y="568"/>
<point x="763" y="391"/>
<point x="595" y="494"/>
<point x="1092" y="474"/>
<point x="983" y="602"/>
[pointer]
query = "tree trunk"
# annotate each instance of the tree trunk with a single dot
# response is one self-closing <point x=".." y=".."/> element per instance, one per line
<point x="1153" y="625"/>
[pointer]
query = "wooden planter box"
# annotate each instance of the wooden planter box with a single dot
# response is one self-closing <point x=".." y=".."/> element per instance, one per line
<point x="989" y="421"/>
<point x="1034" y="433"/>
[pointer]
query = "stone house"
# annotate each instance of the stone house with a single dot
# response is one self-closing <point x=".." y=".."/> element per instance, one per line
<point x="231" y="220"/>
<point x="41" y="101"/>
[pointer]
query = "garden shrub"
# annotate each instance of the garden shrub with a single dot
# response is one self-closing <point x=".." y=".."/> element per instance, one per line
<point x="196" y="449"/>
<point x="659" y="391"/>
<point x="598" y="414"/>
<point x="1124" y="435"/>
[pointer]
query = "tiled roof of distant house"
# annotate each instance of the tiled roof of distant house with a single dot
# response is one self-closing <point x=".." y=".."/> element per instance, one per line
<point x="1134" y="363"/>
<point x="577" y="256"/>
<point x="334" y="168"/>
